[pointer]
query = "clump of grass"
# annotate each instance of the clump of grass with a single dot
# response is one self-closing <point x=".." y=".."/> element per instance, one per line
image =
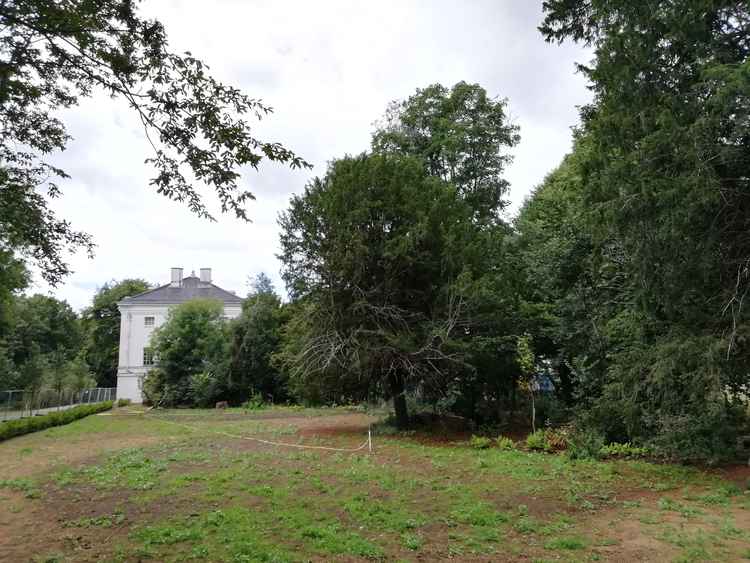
<point x="669" y="504"/>
<point x="381" y="514"/>
<point x="478" y="514"/>
<point x="26" y="486"/>
<point x="97" y="521"/>
<point x="617" y="449"/>
<point x="129" y="467"/>
<point x="412" y="541"/>
<point x="480" y="442"/>
<point x="505" y="443"/>
<point x="568" y="543"/>
<point x="537" y="441"/>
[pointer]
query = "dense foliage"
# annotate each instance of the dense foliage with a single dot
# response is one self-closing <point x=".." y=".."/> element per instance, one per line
<point x="458" y="134"/>
<point x="367" y="248"/>
<point x="191" y="348"/>
<point x="52" y="54"/>
<point x="637" y="245"/>
<point x="255" y="338"/>
<point x="42" y="341"/>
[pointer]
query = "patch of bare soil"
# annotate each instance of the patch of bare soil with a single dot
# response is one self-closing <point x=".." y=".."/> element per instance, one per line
<point x="738" y="474"/>
<point x="332" y="426"/>
<point x="84" y="523"/>
<point x="631" y="544"/>
<point x="630" y="537"/>
<point x="59" y="452"/>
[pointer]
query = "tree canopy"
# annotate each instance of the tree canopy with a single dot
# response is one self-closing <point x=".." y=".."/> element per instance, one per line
<point x="191" y="351"/>
<point x="637" y="244"/>
<point x="52" y="54"/>
<point x="256" y="337"/>
<point x="459" y="133"/>
<point x="373" y="248"/>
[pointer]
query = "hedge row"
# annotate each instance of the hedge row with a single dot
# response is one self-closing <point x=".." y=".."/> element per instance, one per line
<point x="22" y="426"/>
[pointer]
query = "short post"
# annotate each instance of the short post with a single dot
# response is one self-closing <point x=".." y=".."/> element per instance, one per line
<point x="369" y="438"/>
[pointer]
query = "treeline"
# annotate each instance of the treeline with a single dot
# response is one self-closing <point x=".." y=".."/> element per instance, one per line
<point x="46" y="347"/>
<point x="622" y="280"/>
<point x="203" y="358"/>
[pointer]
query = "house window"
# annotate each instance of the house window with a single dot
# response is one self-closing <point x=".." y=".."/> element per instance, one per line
<point x="148" y="357"/>
<point x="148" y="321"/>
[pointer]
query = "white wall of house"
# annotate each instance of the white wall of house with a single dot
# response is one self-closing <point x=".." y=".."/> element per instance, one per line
<point x="135" y="336"/>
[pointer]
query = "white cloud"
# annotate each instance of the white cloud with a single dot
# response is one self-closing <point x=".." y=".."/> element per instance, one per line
<point x="328" y="69"/>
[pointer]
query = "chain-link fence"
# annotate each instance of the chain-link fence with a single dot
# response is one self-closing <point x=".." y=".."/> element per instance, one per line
<point x="20" y="403"/>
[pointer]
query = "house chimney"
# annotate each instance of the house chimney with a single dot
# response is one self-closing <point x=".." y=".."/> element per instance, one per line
<point x="176" y="279"/>
<point x="205" y="275"/>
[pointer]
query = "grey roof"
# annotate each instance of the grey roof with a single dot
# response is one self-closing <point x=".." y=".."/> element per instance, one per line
<point x="192" y="288"/>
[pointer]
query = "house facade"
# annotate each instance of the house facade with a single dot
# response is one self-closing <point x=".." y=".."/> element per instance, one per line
<point x="141" y="314"/>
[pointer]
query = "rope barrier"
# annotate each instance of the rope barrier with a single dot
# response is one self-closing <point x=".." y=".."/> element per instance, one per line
<point x="366" y="444"/>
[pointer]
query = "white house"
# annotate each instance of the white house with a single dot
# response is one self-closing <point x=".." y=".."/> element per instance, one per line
<point x="141" y="314"/>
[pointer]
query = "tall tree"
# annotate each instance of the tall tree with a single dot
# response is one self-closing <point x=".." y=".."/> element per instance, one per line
<point x="261" y="284"/>
<point x="52" y="54"/>
<point x="374" y="248"/>
<point x="666" y="195"/>
<point x="101" y="322"/>
<point x="44" y="325"/>
<point x="460" y="134"/>
<point x="191" y="351"/>
<point x="667" y="163"/>
<point x="256" y="337"/>
<point x="43" y="335"/>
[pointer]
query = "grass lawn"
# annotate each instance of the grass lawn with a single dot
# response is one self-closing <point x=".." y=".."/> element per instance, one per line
<point x="175" y="487"/>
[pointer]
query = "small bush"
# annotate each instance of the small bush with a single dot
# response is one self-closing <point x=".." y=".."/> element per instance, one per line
<point x="123" y="402"/>
<point x="585" y="444"/>
<point x="505" y="443"/>
<point x="538" y="441"/>
<point x="13" y="428"/>
<point x="480" y="442"/>
<point x="254" y="403"/>
<point x="616" y="449"/>
<point x="205" y="389"/>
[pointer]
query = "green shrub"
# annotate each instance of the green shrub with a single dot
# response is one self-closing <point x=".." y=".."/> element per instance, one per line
<point x="616" y="449"/>
<point x="538" y="441"/>
<point x="708" y="437"/>
<point x="255" y="402"/>
<point x="205" y="389"/>
<point x="13" y="428"/>
<point x="123" y="402"/>
<point x="585" y="444"/>
<point x="480" y="442"/>
<point x="505" y="443"/>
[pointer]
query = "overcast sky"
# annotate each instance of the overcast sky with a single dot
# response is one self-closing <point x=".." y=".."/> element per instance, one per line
<point x="328" y="69"/>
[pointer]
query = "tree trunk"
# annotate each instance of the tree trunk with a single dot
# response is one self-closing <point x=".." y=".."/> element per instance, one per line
<point x="396" y="382"/>
<point x="566" y="383"/>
